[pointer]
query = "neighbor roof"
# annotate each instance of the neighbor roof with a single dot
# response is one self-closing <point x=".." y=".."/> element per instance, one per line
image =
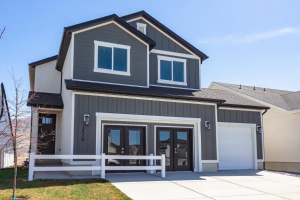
<point x="167" y="30"/>
<point x="287" y="100"/>
<point x="210" y="95"/>
<point x="67" y="35"/>
<point x="45" y="100"/>
<point x="43" y="61"/>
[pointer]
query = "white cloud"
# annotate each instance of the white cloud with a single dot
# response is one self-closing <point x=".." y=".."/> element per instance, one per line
<point x="250" y="38"/>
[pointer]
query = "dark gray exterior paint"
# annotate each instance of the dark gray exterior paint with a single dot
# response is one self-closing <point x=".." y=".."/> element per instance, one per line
<point x="237" y="116"/>
<point x="85" y="104"/>
<point x="162" y="41"/>
<point x="84" y="56"/>
<point x="192" y="72"/>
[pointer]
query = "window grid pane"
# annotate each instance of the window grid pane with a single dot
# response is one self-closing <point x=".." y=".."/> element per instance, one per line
<point x="104" y="57"/>
<point x="166" y="70"/>
<point x="120" y="59"/>
<point x="178" y="71"/>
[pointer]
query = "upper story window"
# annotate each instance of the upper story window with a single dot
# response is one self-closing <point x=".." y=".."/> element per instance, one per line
<point x="171" y="70"/>
<point x="141" y="27"/>
<point x="112" y="58"/>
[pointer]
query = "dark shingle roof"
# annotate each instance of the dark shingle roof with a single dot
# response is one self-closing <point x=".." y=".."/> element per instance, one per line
<point x="287" y="100"/>
<point x="210" y="95"/>
<point x="46" y="100"/>
<point x="43" y="61"/>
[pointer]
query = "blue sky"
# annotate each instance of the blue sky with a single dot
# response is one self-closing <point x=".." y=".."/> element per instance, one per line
<point x="249" y="42"/>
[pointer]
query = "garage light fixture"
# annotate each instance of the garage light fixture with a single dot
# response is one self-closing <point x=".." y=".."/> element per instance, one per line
<point x="207" y="125"/>
<point x="86" y="120"/>
<point x="259" y="129"/>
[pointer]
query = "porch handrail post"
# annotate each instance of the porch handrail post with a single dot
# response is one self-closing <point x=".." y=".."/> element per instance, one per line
<point x="103" y="165"/>
<point x="151" y="163"/>
<point x="163" y="166"/>
<point x="31" y="166"/>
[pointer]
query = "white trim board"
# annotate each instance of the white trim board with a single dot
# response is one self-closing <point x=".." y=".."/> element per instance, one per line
<point x="170" y="53"/>
<point x="196" y="122"/>
<point x="241" y="109"/>
<point x="175" y="87"/>
<point x="131" y="20"/>
<point x="253" y="130"/>
<point x="142" y="98"/>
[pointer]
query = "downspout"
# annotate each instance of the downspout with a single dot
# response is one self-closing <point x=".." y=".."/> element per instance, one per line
<point x="265" y="111"/>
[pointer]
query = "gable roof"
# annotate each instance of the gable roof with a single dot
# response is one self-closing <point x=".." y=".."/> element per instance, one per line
<point x="283" y="99"/>
<point x="43" y="61"/>
<point x="166" y="30"/>
<point x="222" y="97"/>
<point x="67" y="35"/>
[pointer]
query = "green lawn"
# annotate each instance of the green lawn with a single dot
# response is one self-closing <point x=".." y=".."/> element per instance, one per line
<point x="57" y="189"/>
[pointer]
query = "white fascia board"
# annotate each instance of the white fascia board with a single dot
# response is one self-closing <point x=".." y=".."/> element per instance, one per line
<point x="242" y="109"/>
<point x="170" y="53"/>
<point x="249" y="97"/>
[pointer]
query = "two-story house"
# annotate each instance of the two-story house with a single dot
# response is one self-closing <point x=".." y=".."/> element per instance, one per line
<point x="131" y="86"/>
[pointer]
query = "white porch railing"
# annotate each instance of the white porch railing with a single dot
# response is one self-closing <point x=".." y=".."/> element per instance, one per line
<point x="102" y="167"/>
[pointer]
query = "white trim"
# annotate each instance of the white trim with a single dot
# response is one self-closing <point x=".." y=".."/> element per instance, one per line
<point x="262" y="137"/>
<point x="112" y="46"/>
<point x="253" y="130"/>
<point x="200" y="74"/>
<point x="252" y="98"/>
<point x="150" y="118"/>
<point x="170" y="53"/>
<point x="179" y="127"/>
<point x="162" y="33"/>
<point x="72" y="56"/>
<point x="99" y="25"/>
<point x="217" y="132"/>
<point x="171" y="59"/>
<point x="143" y="98"/>
<point x="242" y="109"/>
<point x="50" y="109"/>
<point x="72" y="124"/>
<point x="148" y="67"/>
<point x="210" y="161"/>
<point x="109" y="83"/>
<point x="175" y="87"/>
<point x="141" y="25"/>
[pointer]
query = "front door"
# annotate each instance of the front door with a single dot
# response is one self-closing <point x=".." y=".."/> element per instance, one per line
<point x="46" y="133"/>
<point x="124" y="140"/>
<point x="177" y="146"/>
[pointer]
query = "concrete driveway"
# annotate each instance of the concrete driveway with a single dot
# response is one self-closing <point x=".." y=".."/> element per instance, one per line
<point x="223" y="185"/>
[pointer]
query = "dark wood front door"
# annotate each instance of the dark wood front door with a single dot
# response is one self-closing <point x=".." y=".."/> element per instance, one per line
<point x="124" y="140"/>
<point x="46" y="133"/>
<point x="177" y="145"/>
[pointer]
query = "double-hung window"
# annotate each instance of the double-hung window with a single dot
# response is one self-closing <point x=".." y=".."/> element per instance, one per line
<point x="112" y="58"/>
<point x="171" y="70"/>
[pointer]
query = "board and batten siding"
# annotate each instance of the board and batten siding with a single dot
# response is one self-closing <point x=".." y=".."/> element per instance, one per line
<point x="192" y="72"/>
<point x="89" y="104"/>
<point x="84" y="56"/>
<point x="249" y="117"/>
<point x="162" y="42"/>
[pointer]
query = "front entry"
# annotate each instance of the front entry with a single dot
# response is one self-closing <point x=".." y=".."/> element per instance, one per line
<point x="124" y="140"/>
<point x="46" y="133"/>
<point x="177" y="145"/>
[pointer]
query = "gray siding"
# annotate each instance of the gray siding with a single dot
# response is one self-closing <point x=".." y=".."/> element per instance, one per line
<point x="162" y="41"/>
<point x="237" y="116"/>
<point x="84" y="56"/>
<point x="150" y="131"/>
<point x="192" y="72"/>
<point x="85" y="104"/>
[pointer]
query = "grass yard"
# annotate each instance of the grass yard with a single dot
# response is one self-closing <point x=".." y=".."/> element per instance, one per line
<point x="57" y="189"/>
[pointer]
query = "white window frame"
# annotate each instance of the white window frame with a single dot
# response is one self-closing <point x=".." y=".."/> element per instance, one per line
<point x="111" y="45"/>
<point x="166" y="58"/>
<point x="142" y="25"/>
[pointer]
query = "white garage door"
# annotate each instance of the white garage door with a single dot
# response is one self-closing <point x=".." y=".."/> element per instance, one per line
<point x="235" y="148"/>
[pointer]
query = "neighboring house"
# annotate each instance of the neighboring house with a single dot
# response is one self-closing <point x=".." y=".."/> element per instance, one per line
<point x="129" y="85"/>
<point x="281" y="123"/>
<point x="5" y="128"/>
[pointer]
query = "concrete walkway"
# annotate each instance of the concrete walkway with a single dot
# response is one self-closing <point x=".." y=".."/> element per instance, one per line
<point x="223" y="185"/>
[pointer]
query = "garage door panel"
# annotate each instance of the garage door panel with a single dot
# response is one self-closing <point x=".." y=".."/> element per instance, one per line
<point x="235" y="148"/>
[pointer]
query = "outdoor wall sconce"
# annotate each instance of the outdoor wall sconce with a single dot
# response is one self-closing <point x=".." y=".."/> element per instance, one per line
<point x="86" y="120"/>
<point x="259" y="129"/>
<point x="207" y="125"/>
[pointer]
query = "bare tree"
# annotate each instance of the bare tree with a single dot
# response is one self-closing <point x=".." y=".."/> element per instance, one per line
<point x="14" y="139"/>
<point x="2" y="32"/>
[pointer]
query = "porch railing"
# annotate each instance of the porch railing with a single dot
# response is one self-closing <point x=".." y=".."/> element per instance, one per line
<point x="102" y="167"/>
